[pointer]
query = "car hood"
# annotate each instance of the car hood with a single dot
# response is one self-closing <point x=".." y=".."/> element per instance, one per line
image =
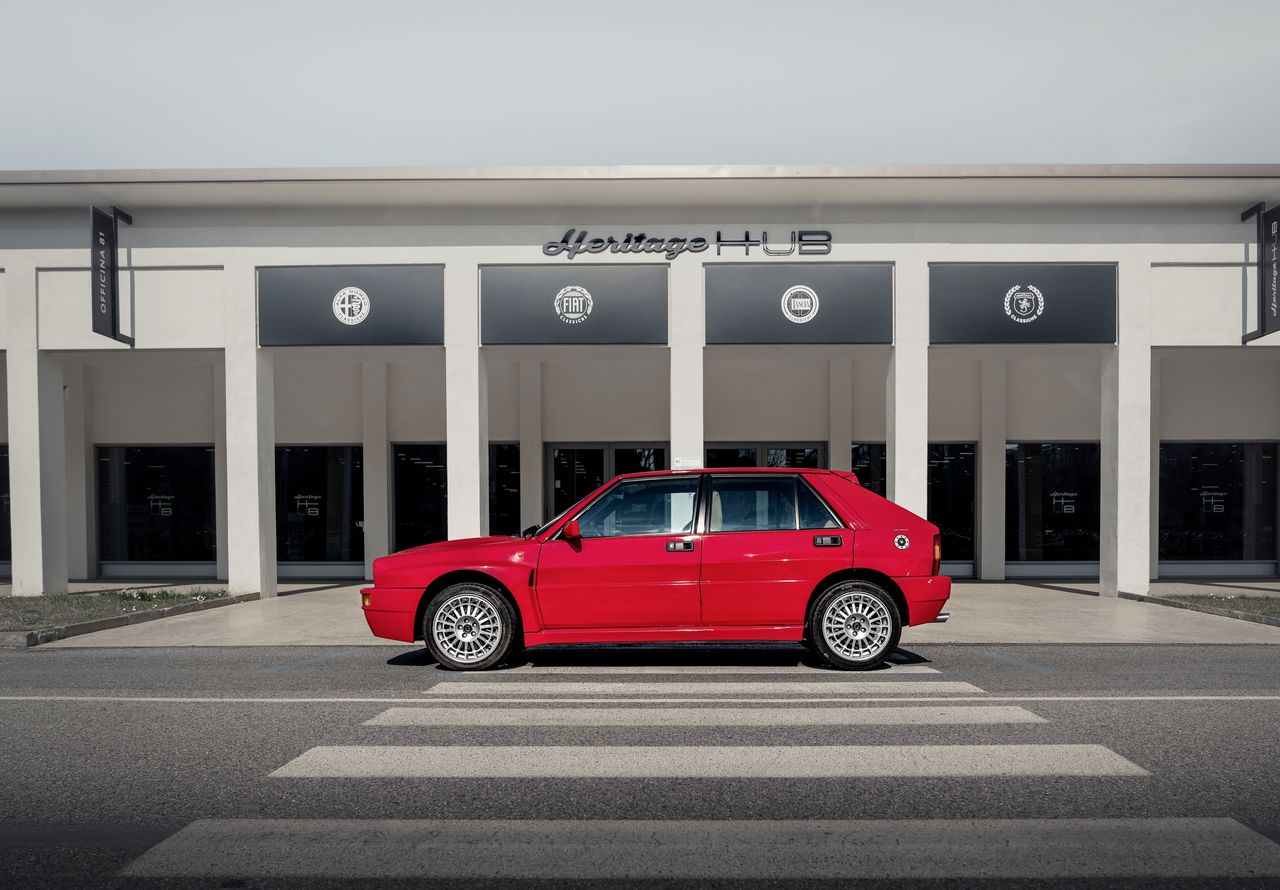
<point x="449" y="549"/>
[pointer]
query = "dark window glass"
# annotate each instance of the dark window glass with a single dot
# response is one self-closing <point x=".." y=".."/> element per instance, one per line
<point x="869" y="466"/>
<point x="952" y="475"/>
<point x="752" y="504"/>
<point x="731" y="457"/>
<point x="319" y="503"/>
<point x="813" y="512"/>
<point x="420" y="505"/>
<point x="642" y="507"/>
<point x="156" y="504"/>
<point x="799" y="458"/>
<point x="1217" y="501"/>
<point x="6" y="529"/>
<point x="1051" y="505"/>
<point x="575" y="473"/>
<point x="638" y="460"/>
<point x="504" y="489"/>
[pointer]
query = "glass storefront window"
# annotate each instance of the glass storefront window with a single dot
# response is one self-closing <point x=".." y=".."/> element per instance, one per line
<point x="574" y="471"/>
<point x="6" y="528"/>
<point x="1218" y="501"/>
<point x="155" y="504"/>
<point x="731" y="457"/>
<point x="770" y="455"/>
<point x="1052" y="511"/>
<point x="419" y="501"/>
<point x="319" y="503"/>
<point x="952" y="475"/>
<point x="504" y="488"/>
<point x="638" y="460"/>
<point x="808" y="458"/>
<point x="869" y="466"/>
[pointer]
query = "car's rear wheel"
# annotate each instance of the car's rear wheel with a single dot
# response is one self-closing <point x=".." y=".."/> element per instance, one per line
<point x="469" y="627"/>
<point x="854" y="625"/>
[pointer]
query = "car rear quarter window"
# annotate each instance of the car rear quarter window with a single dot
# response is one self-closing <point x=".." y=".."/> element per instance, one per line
<point x="812" y="511"/>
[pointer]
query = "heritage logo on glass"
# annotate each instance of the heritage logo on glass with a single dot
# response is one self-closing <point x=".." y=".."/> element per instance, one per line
<point x="1024" y="304"/>
<point x="806" y="242"/>
<point x="573" y="304"/>
<point x="800" y="304"/>
<point x="351" y="305"/>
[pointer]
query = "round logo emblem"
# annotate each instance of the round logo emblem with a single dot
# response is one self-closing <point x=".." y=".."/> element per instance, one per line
<point x="799" y="304"/>
<point x="573" y="304"/>
<point x="902" y="542"/>
<point x="1024" y="304"/>
<point x="351" y="305"/>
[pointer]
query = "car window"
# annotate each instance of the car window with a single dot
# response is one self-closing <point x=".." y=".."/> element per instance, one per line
<point x="813" y="512"/>
<point x="753" y="504"/>
<point x="642" y="507"/>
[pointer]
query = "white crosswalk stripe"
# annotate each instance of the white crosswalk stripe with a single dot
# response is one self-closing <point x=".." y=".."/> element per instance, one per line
<point x="711" y="688"/>
<point x="896" y="670"/>
<point x="709" y="850"/>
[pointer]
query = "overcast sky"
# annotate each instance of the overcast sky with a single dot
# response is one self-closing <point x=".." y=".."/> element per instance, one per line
<point x="226" y="83"/>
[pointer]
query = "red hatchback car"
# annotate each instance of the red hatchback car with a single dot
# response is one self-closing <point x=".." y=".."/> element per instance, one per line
<point x="746" y="554"/>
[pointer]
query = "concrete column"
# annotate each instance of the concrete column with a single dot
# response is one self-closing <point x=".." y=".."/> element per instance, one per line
<point x="250" y="437"/>
<point x="687" y="336"/>
<point x="531" y="446"/>
<point x="220" y="463"/>
<point x="80" y="500"/>
<point x="1125" y="544"/>
<point x="907" y="402"/>
<point x="1155" y="466"/>
<point x="466" y="404"/>
<point x="992" y="436"/>
<point x="377" y="465"/>
<point x="37" y="460"/>
<point x="840" y="412"/>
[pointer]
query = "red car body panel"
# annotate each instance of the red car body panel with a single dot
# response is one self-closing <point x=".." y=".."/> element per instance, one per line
<point x="752" y="585"/>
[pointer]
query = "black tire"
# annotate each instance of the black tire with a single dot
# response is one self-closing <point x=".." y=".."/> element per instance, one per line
<point x="872" y="614"/>
<point x="470" y="609"/>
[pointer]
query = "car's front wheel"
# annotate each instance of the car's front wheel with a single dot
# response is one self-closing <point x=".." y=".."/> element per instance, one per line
<point x="469" y="627"/>
<point x="854" y="625"/>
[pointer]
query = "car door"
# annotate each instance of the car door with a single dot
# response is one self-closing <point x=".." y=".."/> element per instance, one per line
<point x="770" y="539"/>
<point x="636" y="564"/>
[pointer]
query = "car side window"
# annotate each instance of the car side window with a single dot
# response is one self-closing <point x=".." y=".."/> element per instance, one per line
<point x="753" y="504"/>
<point x="661" y="506"/>
<point x="813" y="512"/>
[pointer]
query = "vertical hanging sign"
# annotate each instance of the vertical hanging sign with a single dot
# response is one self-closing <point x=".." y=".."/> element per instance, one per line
<point x="104" y="271"/>
<point x="1268" y="270"/>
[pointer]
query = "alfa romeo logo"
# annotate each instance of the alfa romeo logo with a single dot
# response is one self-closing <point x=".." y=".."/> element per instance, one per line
<point x="1024" y="304"/>
<point x="351" y="305"/>
<point x="573" y="304"/>
<point x="799" y="304"/>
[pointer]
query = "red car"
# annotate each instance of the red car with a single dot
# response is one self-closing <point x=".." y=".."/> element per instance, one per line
<point x="743" y="554"/>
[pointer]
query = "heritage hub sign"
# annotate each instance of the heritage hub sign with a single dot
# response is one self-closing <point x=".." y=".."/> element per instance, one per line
<point x="801" y="242"/>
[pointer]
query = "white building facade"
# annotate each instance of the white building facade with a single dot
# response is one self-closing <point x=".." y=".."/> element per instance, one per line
<point x="331" y="365"/>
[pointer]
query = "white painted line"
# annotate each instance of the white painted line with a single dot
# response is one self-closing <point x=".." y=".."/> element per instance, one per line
<point x="896" y="670"/>
<point x="704" y="762"/>
<point x="920" y="849"/>
<point x="419" y="700"/>
<point x="728" y="687"/>
<point x="932" y="715"/>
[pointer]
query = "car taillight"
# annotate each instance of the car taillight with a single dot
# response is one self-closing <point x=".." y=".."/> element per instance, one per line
<point x="937" y="553"/>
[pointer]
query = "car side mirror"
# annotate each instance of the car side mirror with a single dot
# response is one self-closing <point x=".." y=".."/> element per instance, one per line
<point x="572" y="531"/>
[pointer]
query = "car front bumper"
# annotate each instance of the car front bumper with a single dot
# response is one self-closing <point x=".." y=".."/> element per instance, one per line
<point x="391" y="612"/>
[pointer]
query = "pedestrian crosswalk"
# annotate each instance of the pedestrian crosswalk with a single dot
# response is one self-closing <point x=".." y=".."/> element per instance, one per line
<point x="668" y="723"/>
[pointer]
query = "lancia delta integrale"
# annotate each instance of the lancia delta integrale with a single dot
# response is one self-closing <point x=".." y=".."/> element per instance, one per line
<point x="792" y="555"/>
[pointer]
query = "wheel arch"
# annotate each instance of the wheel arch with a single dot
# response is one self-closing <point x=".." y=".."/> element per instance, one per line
<point x="459" y="576"/>
<point x="857" y="574"/>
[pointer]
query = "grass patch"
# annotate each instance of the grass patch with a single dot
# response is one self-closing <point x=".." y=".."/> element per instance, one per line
<point x="1256" y="605"/>
<point x="38" y="612"/>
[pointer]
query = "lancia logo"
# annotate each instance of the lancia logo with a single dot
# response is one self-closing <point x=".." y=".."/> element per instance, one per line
<point x="799" y="304"/>
<point x="351" y="305"/>
<point x="573" y="304"/>
<point x="1024" y="304"/>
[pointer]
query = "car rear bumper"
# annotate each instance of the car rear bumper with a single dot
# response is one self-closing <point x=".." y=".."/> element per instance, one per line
<point x="925" y="597"/>
<point x="391" y="612"/>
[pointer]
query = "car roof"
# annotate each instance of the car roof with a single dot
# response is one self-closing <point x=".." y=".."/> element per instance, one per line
<point x="746" y="470"/>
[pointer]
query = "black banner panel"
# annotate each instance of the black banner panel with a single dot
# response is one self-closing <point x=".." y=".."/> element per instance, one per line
<point x="1022" y="303"/>
<point x="104" y="273"/>
<point x="528" y="305"/>
<point x="351" y="306"/>
<point x="800" y="303"/>
<point x="1269" y="272"/>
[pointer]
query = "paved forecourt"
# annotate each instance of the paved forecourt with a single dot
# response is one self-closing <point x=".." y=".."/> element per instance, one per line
<point x="526" y="704"/>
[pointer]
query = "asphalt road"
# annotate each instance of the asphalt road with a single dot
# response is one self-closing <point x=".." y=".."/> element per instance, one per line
<point x="961" y="765"/>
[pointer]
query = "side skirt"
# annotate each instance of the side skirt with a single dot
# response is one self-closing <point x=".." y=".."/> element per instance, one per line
<point x="743" y="633"/>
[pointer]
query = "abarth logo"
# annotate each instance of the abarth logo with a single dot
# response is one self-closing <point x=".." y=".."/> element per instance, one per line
<point x="902" y="542"/>
<point x="351" y="305"/>
<point x="573" y="304"/>
<point x="1024" y="304"/>
<point x="799" y="304"/>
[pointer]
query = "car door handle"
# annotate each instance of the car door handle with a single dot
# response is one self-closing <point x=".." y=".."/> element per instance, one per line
<point x="677" y="546"/>
<point x="827" y="540"/>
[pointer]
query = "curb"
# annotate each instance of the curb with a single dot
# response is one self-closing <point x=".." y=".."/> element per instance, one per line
<point x="25" y="639"/>
<point x="1268" y="620"/>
